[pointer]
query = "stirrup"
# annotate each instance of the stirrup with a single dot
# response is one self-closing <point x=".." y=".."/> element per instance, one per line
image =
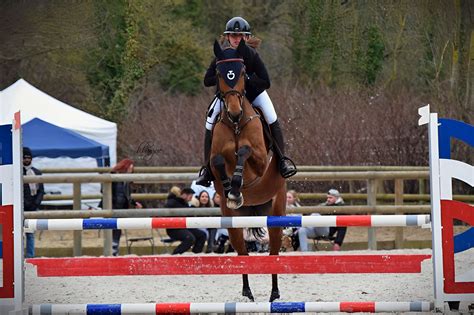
<point x="205" y="177"/>
<point x="287" y="167"/>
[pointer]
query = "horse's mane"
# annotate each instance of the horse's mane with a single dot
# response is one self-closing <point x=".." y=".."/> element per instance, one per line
<point x="253" y="42"/>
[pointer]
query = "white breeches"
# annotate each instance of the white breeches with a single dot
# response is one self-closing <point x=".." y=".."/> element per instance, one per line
<point x="262" y="101"/>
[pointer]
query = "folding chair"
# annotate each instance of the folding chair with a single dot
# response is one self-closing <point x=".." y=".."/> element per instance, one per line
<point x="166" y="240"/>
<point x="130" y="241"/>
<point x="317" y="241"/>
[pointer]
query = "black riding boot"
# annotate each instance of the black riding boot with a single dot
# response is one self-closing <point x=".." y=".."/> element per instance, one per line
<point x="286" y="166"/>
<point x="205" y="174"/>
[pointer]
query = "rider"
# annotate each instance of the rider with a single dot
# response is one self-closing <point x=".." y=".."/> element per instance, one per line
<point x="257" y="82"/>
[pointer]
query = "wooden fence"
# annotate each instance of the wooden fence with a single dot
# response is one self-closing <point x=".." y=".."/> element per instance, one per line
<point x="159" y="175"/>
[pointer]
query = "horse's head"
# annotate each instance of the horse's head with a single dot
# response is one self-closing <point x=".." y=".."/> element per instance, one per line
<point x="231" y="79"/>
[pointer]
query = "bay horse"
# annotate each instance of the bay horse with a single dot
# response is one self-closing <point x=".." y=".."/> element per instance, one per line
<point x="247" y="176"/>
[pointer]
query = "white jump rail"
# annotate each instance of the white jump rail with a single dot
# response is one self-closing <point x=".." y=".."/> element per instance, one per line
<point x="226" y="222"/>
<point x="231" y="308"/>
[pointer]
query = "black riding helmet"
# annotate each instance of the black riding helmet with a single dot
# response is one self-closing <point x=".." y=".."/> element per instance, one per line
<point x="237" y="25"/>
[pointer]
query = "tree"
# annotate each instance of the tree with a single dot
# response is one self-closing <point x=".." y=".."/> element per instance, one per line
<point x="139" y="39"/>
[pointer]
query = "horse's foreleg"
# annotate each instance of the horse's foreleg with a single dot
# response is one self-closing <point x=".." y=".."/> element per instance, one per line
<point x="237" y="240"/>
<point x="218" y="162"/>
<point x="235" y="199"/>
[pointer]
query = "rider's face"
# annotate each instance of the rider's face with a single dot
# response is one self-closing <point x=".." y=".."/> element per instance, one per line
<point x="234" y="39"/>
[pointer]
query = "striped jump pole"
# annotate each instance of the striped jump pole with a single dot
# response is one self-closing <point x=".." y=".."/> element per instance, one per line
<point x="231" y="308"/>
<point x="226" y="222"/>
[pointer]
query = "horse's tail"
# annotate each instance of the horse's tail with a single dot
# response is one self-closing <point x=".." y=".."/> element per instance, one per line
<point x="258" y="233"/>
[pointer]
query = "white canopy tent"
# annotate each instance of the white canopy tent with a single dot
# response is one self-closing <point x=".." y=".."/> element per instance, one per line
<point x="34" y="103"/>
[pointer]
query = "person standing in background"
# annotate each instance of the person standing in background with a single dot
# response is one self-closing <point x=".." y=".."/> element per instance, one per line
<point x="32" y="196"/>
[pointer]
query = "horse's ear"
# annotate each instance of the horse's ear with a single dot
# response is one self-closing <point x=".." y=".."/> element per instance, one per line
<point x="217" y="50"/>
<point x="243" y="49"/>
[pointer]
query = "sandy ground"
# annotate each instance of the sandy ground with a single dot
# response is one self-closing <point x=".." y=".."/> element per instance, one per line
<point x="227" y="288"/>
<point x="310" y="288"/>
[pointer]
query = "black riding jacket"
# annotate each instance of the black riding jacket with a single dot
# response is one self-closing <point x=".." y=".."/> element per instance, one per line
<point x="257" y="81"/>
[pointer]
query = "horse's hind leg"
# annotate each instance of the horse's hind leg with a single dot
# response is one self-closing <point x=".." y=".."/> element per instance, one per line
<point x="278" y="209"/>
<point x="238" y="242"/>
<point x="219" y="164"/>
<point x="275" y="245"/>
<point x="235" y="199"/>
<point x="246" y="288"/>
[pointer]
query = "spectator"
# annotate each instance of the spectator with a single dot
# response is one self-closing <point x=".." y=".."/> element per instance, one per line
<point x="216" y="199"/>
<point x="32" y="197"/>
<point x="292" y="199"/>
<point x="198" y="188"/>
<point x="194" y="238"/>
<point x="290" y="234"/>
<point x="206" y="202"/>
<point x="338" y="233"/>
<point x="310" y="232"/>
<point x="121" y="198"/>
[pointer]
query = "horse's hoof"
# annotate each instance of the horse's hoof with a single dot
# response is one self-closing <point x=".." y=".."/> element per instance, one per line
<point x="275" y="295"/>
<point x="248" y="293"/>
<point x="235" y="202"/>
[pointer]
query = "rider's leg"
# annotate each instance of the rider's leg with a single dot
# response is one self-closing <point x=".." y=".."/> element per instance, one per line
<point x="263" y="101"/>
<point x="205" y="174"/>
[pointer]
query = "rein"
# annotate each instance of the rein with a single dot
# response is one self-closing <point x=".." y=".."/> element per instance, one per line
<point x="239" y="127"/>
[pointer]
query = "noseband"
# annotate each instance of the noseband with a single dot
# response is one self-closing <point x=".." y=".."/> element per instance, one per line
<point x="241" y="101"/>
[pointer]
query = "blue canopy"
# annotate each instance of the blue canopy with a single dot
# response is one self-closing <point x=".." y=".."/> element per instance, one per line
<point x="48" y="140"/>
